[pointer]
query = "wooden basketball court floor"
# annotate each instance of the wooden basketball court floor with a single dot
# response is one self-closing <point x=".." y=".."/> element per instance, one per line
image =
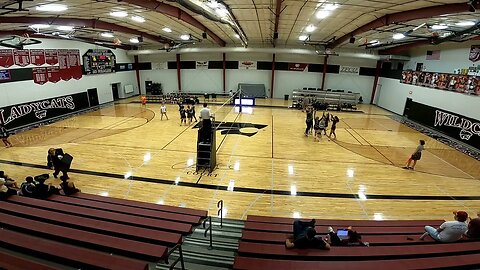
<point x="277" y="171"/>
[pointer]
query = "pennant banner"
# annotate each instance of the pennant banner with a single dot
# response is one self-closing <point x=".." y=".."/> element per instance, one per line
<point x="21" y="57"/>
<point x="40" y="75"/>
<point x="297" y="67"/>
<point x="247" y="65"/>
<point x="51" y="57"/>
<point x="6" y="58"/>
<point x="53" y="74"/>
<point x="201" y="64"/>
<point x="64" y="65"/>
<point x="37" y="57"/>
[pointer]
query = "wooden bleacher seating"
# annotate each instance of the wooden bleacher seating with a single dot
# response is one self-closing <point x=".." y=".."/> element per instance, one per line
<point x="91" y="232"/>
<point x="176" y="227"/>
<point x="13" y="262"/>
<point x="67" y="254"/>
<point x="393" y="245"/>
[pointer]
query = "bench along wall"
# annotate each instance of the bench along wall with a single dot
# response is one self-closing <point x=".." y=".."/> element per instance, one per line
<point x="24" y="91"/>
<point x="163" y="70"/>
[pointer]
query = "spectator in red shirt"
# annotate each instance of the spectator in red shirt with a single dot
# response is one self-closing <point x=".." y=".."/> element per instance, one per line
<point x="474" y="227"/>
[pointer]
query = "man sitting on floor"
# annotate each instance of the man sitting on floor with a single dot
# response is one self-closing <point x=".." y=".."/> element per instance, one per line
<point x="449" y="231"/>
<point x="304" y="236"/>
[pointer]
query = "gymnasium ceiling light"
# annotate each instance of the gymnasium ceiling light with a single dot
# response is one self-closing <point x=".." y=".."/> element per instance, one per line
<point x="39" y="26"/>
<point x="185" y="37"/>
<point x="303" y="37"/>
<point x="138" y="19"/>
<point x="310" y="28"/>
<point x="398" y="36"/>
<point x="107" y="34"/>
<point x="134" y="40"/>
<point x="330" y="6"/>
<point x="322" y="14"/>
<point x="465" y="23"/>
<point x="439" y="26"/>
<point x="237" y="36"/>
<point x="65" y="28"/>
<point x="51" y="7"/>
<point x="166" y="29"/>
<point x="119" y="14"/>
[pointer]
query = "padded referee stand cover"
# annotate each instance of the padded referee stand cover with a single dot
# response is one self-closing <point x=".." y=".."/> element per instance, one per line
<point x="67" y="160"/>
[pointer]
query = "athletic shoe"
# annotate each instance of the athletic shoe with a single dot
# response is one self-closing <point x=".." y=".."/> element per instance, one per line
<point x="330" y="230"/>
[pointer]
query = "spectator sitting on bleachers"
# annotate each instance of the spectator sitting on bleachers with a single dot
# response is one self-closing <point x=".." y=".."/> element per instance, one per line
<point x="9" y="182"/>
<point x="28" y="188"/>
<point x="5" y="192"/>
<point x="68" y="188"/>
<point x="353" y="238"/>
<point x="304" y="236"/>
<point x="449" y="231"/>
<point x="474" y="227"/>
<point x="43" y="190"/>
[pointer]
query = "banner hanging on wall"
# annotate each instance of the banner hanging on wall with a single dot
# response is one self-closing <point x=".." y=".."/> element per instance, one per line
<point x="39" y="75"/>
<point x="159" y="65"/>
<point x="28" y="113"/>
<point x="74" y="64"/>
<point x="64" y="65"/>
<point x="51" y="57"/>
<point x="451" y="82"/>
<point x="53" y="74"/>
<point x="349" y="70"/>
<point x="37" y="57"/>
<point x="247" y="65"/>
<point x="474" y="55"/>
<point x="297" y="67"/>
<point x="6" y="58"/>
<point x="21" y="57"/>
<point x="201" y="64"/>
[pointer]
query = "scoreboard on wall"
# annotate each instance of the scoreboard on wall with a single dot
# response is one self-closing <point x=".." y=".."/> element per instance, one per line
<point x="98" y="61"/>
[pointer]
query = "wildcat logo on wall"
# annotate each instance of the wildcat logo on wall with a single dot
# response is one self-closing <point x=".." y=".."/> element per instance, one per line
<point x="28" y="113"/>
<point x="349" y="70"/>
<point x="467" y="127"/>
<point x="247" y="65"/>
<point x="460" y="128"/>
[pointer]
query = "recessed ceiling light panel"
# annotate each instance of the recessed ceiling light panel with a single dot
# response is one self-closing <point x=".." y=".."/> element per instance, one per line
<point x="119" y="14"/>
<point x="51" y="7"/>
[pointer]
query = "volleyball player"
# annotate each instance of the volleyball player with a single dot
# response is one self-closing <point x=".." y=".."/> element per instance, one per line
<point x="309" y="121"/>
<point x="163" y="111"/>
<point x="190" y="113"/>
<point x="183" y="115"/>
<point x="335" y="120"/>
<point x="417" y="155"/>
<point x="4" y="136"/>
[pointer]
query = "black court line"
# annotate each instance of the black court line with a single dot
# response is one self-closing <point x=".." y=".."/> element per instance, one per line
<point x="369" y="143"/>
<point x="255" y="190"/>
<point x="175" y="138"/>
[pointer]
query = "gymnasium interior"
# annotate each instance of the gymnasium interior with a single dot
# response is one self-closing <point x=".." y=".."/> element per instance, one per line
<point x="117" y="89"/>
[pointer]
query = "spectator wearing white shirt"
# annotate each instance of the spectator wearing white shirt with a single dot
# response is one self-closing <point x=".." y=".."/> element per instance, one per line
<point x="449" y="231"/>
<point x="206" y="123"/>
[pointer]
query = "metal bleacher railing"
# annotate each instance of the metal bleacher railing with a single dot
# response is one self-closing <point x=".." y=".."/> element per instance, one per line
<point x="333" y="99"/>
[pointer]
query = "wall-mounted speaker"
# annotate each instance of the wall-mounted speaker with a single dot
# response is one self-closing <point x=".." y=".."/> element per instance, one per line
<point x="352" y="40"/>
<point x="140" y="39"/>
<point x="204" y="35"/>
<point x="275" y="35"/>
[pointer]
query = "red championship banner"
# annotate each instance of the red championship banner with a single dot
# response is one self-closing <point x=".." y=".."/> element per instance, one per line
<point x="6" y="58"/>
<point x="37" y="57"/>
<point x="39" y="75"/>
<point x="21" y="57"/>
<point x="74" y="63"/>
<point x="51" y="57"/>
<point x="64" y="65"/>
<point x="297" y="67"/>
<point x="53" y="74"/>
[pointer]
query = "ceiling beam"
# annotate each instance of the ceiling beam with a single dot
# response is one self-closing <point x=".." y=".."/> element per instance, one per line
<point x="33" y="34"/>
<point x="88" y="23"/>
<point x="405" y="16"/>
<point x="278" y="10"/>
<point x="176" y="13"/>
